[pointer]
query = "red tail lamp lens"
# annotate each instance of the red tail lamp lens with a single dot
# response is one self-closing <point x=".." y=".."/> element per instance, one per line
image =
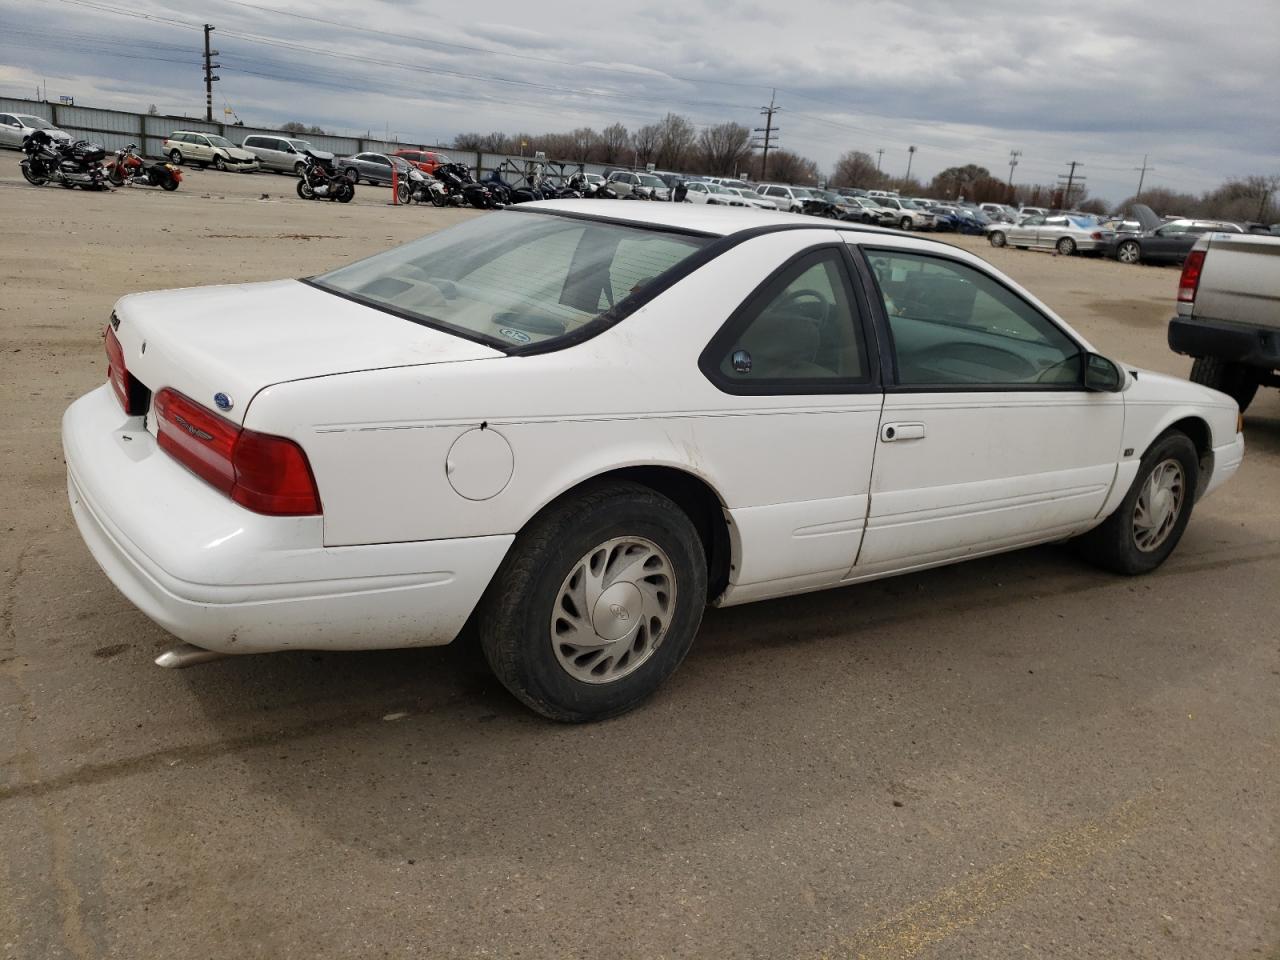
<point x="1190" y="282"/>
<point x="263" y="473"/>
<point x="118" y="374"/>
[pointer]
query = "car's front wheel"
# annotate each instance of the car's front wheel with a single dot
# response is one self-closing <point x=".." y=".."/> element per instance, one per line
<point x="596" y="603"/>
<point x="1142" y="532"/>
<point x="997" y="238"/>
<point x="219" y="163"/>
<point x="175" y="156"/>
<point x="905" y="223"/>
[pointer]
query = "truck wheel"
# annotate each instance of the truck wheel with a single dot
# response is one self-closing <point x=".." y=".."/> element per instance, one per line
<point x="1144" y="529"/>
<point x="596" y="603"/>
<point x="1236" y="380"/>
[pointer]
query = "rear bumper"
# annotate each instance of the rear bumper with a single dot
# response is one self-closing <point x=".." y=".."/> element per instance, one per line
<point x="226" y="579"/>
<point x="1233" y="342"/>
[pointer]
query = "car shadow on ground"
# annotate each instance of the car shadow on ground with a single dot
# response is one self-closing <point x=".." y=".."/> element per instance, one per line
<point x="413" y="753"/>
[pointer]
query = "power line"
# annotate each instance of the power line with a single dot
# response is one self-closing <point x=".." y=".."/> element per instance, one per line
<point x="770" y="133"/>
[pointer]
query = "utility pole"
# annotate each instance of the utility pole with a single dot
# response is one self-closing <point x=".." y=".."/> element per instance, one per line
<point x="911" y="155"/>
<point x="1142" y="175"/>
<point x="770" y="133"/>
<point x="209" y="78"/>
<point x="1013" y="162"/>
<point x="879" y="156"/>
<point x="1072" y="180"/>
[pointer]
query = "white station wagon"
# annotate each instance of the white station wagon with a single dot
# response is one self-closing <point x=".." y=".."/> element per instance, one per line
<point x="575" y="425"/>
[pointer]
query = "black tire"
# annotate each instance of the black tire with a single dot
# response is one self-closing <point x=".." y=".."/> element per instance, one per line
<point x="402" y="192"/>
<point x="515" y="615"/>
<point x="905" y="223"/>
<point x="175" y="156"/>
<point x="1236" y="380"/>
<point x="116" y="177"/>
<point x="219" y="164"/>
<point x="1112" y="545"/>
<point x="343" y="192"/>
<point x="1065" y="246"/>
<point x="305" y="191"/>
<point x="298" y="168"/>
<point x="1129" y="252"/>
<point x="997" y="238"/>
<point x="352" y="176"/>
<point x="33" y="178"/>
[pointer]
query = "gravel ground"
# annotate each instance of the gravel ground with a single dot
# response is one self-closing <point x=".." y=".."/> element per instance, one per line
<point x="1014" y="757"/>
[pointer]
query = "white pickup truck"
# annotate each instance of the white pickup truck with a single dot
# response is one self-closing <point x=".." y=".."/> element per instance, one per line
<point x="1229" y="313"/>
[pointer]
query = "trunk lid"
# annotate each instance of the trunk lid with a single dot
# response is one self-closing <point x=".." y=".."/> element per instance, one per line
<point x="236" y="340"/>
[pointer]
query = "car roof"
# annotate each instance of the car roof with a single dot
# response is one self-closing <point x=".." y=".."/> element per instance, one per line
<point x="709" y="220"/>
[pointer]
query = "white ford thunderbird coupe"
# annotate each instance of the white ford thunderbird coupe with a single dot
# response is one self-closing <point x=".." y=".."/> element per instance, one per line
<point x="575" y="424"/>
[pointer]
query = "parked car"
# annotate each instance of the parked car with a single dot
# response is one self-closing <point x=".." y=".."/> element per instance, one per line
<point x="870" y="211"/>
<point x="372" y="168"/>
<point x="1066" y="235"/>
<point x="791" y="199"/>
<point x="1159" y="242"/>
<point x="207" y="150"/>
<point x="838" y="205"/>
<point x="425" y="160"/>
<point x="466" y="429"/>
<point x="638" y="186"/>
<point x="16" y="127"/>
<point x="282" y="154"/>
<point x="999" y="212"/>
<point x="1229" y="313"/>
<point x="753" y="199"/>
<point x="909" y="216"/>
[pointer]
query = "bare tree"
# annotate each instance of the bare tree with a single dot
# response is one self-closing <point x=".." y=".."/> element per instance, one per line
<point x="676" y="138"/>
<point x="614" y="140"/>
<point x="955" y="182"/>
<point x="584" y="142"/>
<point x="645" y="142"/>
<point x="856" y="169"/>
<point x="483" y="142"/>
<point x="153" y="110"/>
<point x="789" y="167"/>
<point x="724" y="148"/>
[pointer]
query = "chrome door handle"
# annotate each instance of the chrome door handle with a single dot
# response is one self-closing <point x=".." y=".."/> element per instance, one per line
<point x="892" y="432"/>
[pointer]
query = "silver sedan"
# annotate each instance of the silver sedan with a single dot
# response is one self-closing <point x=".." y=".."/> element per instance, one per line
<point x="1066" y="235"/>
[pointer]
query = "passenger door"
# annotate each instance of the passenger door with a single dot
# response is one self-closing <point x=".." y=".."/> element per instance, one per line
<point x="10" y="131"/>
<point x="988" y="438"/>
<point x="1024" y="234"/>
<point x="1052" y="230"/>
<point x="795" y="358"/>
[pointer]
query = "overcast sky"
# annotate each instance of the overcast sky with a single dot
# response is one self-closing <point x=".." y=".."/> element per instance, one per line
<point x="1192" y="84"/>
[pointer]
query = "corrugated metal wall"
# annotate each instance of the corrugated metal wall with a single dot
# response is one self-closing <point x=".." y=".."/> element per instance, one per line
<point x="115" y="129"/>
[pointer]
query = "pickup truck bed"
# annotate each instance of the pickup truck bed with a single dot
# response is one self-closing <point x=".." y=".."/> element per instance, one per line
<point x="1229" y="313"/>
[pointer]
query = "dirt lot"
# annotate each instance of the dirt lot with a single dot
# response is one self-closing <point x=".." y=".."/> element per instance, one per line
<point x="1018" y="757"/>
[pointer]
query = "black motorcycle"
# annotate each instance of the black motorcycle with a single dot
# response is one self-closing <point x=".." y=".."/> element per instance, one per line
<point x="77" y="164"/>
<point x="319" y="180"/>
<point x="459" y="182"/>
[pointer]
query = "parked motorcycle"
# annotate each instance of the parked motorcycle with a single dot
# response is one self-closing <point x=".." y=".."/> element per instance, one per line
<point x="319" y="180"/>
<point x="77" y="164"/>
<point x="128" y="168"/>
<point x="459" y="182"/>
<point x="432" y="191"/>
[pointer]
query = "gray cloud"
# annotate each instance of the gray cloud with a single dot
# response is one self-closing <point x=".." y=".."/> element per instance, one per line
<point x="1097" y="82"/>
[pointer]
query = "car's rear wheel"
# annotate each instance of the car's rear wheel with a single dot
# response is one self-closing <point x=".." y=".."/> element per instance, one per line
<point x="997" y="238"/>
<point x="1236" y="380"/>
<point x="1066" y="246"/>
<point x="596" y="603"/>
<point x="1142" y="532"/>
<point x="1129" y="252"/>
<point x="176" y="157"/>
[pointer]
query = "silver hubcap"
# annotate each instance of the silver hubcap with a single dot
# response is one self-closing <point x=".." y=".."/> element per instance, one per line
<point x="1066" y="246"/>
<point x="613" y="610"/>
<point x="1159" y="505"/>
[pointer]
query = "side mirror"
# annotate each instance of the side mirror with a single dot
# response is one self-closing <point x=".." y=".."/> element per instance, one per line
<point x="1101" y="375"/>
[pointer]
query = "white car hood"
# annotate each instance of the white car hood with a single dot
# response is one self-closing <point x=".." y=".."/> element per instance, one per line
<point x="238" y="339"/>
<point x="1149" y="386"/>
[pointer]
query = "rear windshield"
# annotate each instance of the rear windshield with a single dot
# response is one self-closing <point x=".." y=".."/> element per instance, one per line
<point x="512" y="278"/>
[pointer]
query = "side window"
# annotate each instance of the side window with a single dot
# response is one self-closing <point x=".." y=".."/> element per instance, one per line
<point x="7" y="120"/>
<point x="799" y="333"/>
<point x="953" y="325"/>
<point x="776" y="192"/>
<point x="202" y="141"/>
<point x="1033" y="221"/>
<point x="1172" y="229"/>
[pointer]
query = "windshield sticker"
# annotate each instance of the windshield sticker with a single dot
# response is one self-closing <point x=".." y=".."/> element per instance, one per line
<point x="515" y="335"/>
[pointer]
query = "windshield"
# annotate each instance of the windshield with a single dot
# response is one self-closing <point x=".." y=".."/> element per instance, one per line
<point x="219" y="141"/>
<point x="302" y="146"/>
<point x="35" y="123"/>
<point x="513" y="278"/>
<point x="716" y="188"/>
<point x="649" y="180"/>
<point x="802" y="192"/>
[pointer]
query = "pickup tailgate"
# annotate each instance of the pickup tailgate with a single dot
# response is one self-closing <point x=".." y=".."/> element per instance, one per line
<point x="1239" y="282"/>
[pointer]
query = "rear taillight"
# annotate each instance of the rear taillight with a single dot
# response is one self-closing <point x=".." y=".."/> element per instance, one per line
<point x="264" y="473"/>
<point x="1190" y="281"/>
<point x="131" y="394"/>
<point x="1096" y="235"/>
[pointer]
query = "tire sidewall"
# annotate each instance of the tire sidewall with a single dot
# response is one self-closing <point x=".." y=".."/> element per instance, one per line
<point x="518" y="640"/>
<point x="1171" y="445"/>
<point x="997" y="238"/>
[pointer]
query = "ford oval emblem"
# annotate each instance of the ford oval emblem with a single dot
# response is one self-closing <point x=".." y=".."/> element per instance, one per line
<point x="222" y="401"/>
